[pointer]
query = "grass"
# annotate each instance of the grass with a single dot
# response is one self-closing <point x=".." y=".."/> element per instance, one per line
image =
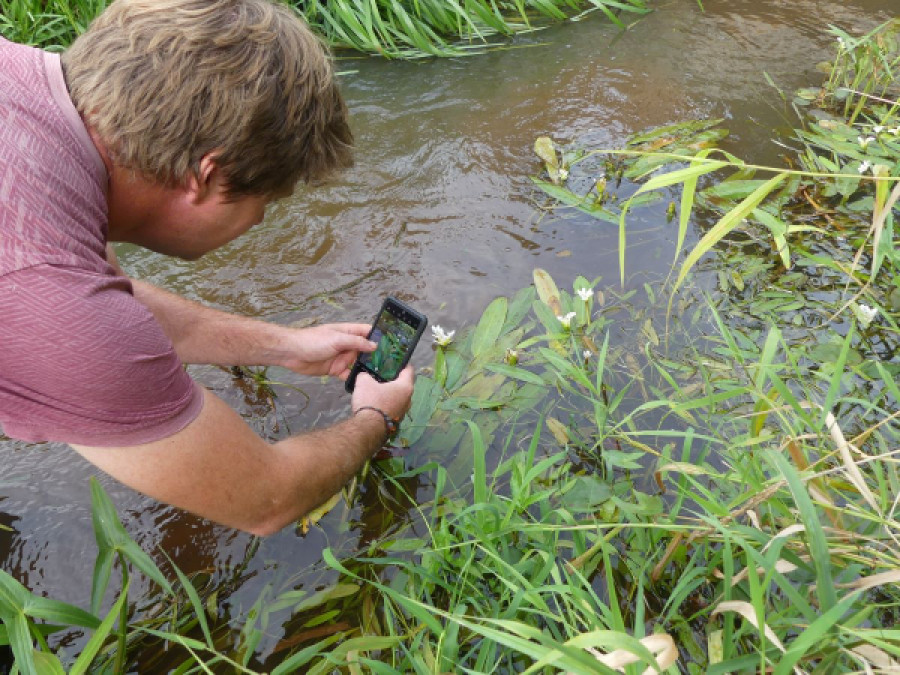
<point x="717" y="491"/>
<point x="389" y="28"/>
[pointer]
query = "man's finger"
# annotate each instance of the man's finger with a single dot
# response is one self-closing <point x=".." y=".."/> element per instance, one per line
<point x="361" y="329"/>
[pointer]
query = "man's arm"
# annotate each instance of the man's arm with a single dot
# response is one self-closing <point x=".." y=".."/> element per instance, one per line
<point x="218" y="468"/>
<point x="204" y="335"/>
<point x="201" y="334"/>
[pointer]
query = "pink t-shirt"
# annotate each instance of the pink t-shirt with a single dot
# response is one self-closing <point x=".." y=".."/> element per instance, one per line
<point x="81" y="360"/>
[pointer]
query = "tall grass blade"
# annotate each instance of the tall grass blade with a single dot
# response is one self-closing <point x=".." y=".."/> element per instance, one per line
<point x="726" y="224"/>
<point x="815" y="535"/>
<point x="83" y="662"/>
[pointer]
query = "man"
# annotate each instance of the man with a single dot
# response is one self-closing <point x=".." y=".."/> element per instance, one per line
<point x="169" y="124"/>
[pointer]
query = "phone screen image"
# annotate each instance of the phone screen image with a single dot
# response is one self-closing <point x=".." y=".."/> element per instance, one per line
<point x="395" y="337"/>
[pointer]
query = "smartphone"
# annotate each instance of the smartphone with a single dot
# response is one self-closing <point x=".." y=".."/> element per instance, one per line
<point x="397" y="330"/>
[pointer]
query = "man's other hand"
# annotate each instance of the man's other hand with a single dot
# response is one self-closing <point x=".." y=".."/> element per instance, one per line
<point x="327" y="350"/>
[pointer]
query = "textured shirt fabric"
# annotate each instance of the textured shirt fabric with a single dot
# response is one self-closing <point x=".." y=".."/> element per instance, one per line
<point x="81" y="360"/>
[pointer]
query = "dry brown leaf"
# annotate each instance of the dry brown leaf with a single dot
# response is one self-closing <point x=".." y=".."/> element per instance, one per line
<point x="877" y="658"/>
<point x="853" y="472"/>
<point x="745" y="609"/>
<point x="786" y="532"/>
<point x="781" y="566"/>
<point x="662" y="646"/>
<point x="873" y="580"/>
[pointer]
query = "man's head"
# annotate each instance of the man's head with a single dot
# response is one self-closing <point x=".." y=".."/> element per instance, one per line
<point x="166" y="84"/>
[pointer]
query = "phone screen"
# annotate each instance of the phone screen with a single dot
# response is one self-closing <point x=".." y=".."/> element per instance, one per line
<point x="395" y="338"/>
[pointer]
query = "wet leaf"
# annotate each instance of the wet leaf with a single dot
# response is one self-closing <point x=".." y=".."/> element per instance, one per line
<point x="314" y="516"/>
<point x="544" y="148"/>
<point x="480" y="387"/>
<point x="489" y="326"/>
<point x="894" y="299"/>
<point x="559" y="430"/>
<point x="828" y="353"/>
<point x="47" y="664"/>
<point x="517" y="373"/>
<point x="547" y="290"/>
<point x="588" y="493"/>
<point x="650" y="333"/>
<point x="715" y="647"/>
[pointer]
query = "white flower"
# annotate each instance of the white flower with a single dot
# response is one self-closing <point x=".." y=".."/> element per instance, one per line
<point x="585" y="293"/>
<point x="587" y="354"/>
<point x="865" y="166"/>
<point x="841" y="43"/>
<point x="441" y="338"/>
<point x="563" y="174"/>
<point x="566" y="320"/>
<point x="867" y="314"/>
<point x="895" y="130"/>
<point x="877" y="129"/>
<point x="864" y="141"/>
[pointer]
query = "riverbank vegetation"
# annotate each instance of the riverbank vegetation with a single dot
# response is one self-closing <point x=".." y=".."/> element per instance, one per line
<point x="390" y="28"/>
<point x="712" y="487"/>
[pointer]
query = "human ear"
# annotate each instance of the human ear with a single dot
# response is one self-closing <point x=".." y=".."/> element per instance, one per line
<point x="204" y="182"/>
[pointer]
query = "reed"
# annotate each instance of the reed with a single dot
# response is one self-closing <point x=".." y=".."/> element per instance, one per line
<point x="389" y="28"/>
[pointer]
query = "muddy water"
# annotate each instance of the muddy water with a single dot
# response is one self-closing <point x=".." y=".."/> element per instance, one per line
<point x="438" y="211"/>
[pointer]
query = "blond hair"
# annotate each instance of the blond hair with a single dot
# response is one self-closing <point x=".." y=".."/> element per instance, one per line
<point x="164" y="82"/>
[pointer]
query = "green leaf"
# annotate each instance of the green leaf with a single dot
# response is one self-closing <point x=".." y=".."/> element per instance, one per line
<point x="111" y="534"/>
<point x="20" y="641"/>
<point x="47" y="664"/>
<point x="102" y="572"/>
<point x="489" y="326"/>
<point x="59" y="612"/>
<point x="516" y="373"/>
<point x="479" y="475"/>
<point x="305" y="655"/>
<point x="196" y="603"/>
<point x="726" y="224"/>
<point x="588" y="493"/>
<point x="818" y="545"/>
<point x="83" y="663"/>
<point x="547" y="291"/>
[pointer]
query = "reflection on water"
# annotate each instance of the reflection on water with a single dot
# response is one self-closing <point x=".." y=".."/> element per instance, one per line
<point x="438" y="211"/>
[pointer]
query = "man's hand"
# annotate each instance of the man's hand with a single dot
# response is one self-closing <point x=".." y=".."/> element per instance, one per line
<point x="326" y="350"/>
<point x="393" y="397"/>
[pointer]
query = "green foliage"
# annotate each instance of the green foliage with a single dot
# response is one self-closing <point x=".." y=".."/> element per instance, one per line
<point x="390" y="28"/>
<point x="51" y="24"/>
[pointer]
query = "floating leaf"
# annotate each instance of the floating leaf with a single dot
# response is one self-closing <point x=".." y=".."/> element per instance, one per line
<point x="543" y="148"/>
<point x="489" y="326"/>
<point x="559" y="430"/>
<point x="650" y="333"/>
<point x="588" y="493"/>
<point x="547" y="290"/>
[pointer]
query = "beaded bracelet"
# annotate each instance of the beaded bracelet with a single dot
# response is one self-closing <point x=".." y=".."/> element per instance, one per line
<point x="391" y="424"/>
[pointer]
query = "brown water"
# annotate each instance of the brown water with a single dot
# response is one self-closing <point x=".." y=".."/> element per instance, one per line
<point x="439" y="211"/>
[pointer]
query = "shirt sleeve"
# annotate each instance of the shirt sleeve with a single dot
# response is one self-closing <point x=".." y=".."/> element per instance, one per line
<point x="82" y="361"/>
